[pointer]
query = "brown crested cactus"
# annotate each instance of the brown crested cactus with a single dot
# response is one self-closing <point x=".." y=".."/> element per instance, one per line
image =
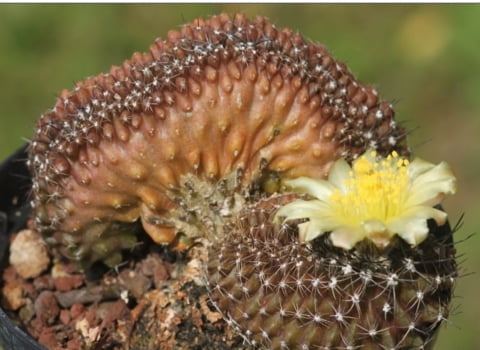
<point x="196" y="137"/>
<point x="222" y="101"/>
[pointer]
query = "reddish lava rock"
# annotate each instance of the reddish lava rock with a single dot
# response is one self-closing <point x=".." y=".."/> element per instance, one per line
<point x="66" y="283"/>
<point x="46" y="307"/>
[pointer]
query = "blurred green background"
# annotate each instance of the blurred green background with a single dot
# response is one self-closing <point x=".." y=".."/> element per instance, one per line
<point x="425" y="58"/>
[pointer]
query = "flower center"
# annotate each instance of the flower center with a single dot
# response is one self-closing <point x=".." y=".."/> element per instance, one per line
<point x="375" y="190"/>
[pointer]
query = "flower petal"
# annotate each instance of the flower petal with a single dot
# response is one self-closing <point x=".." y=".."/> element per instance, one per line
<point x="314" y="187"/>
<point x="413" y="229"/>
<point x="430" y="183"/>
<point x="378" y="232"/>
<point x="426" y="212"/>
<point x="300" y="209"/>
<point x="339" y="173"/>
<point x="347" y="236"/>
<point x="418" y="166"/>
<point x="314" y="228"/>
<point x="374" y="226"/>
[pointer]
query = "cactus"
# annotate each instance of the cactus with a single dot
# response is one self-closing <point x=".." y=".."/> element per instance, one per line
<point x="201" y="137"/>
<point x="225" y="99"/>
<point x="296" y="286"/>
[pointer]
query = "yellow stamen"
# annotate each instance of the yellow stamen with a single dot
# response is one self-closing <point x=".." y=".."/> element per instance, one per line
<point x="376" y="198"/>
<point x="374" y="191"/>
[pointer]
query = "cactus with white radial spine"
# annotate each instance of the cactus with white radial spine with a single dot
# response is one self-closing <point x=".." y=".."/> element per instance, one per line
<point x="224" y="99"/>
<point x="281" y="293"/>
<point x="190" y="137"/>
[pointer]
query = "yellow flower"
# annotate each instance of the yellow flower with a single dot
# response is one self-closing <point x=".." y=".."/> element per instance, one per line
<point x="377" y="198"/>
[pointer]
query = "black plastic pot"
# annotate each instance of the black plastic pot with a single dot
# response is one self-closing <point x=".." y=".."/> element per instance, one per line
<point x="14" y="211"/>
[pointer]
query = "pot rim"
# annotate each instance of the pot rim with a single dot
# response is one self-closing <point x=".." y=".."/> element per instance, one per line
<point x="15" y="183"/>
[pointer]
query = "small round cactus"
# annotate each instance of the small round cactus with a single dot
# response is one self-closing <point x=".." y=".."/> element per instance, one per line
<point x="310" y="283"/>
<point x="219" y="132"/>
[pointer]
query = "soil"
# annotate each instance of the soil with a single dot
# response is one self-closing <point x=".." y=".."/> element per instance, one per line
<point x="155" y="299"/>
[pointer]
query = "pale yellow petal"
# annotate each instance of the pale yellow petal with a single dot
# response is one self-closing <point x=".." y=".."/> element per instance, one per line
<point x="418" y="166"/>
<point x="426" y="212"/>
<point x="378" y="232"/>
<point x="339" y="173"/>
<point x="300" y="209"/>
<point x="437" y="173"/>
<point x="314" y="228"/>
<point x="374" y="226"/>
<point x="430" y="184"/>
<point x="314" y="187"/>
<point x="413" y="229"/>
<point x="346" y="237"/>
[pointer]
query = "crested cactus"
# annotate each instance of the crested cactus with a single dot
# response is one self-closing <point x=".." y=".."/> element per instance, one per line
<point x="210" y="134"/>
<point x="225" y="99"/>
